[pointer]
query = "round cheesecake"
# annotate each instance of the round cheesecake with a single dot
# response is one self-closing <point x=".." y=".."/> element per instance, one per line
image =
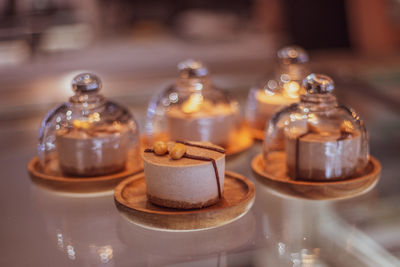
<point x="185" y="183"/>
<point x="92" y="153"/>
<point x="214" y="124"/>
<point x="322" y="156"/>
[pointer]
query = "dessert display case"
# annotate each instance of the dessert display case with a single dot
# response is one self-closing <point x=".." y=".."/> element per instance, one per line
<point x="46" y="229"/>
<point x="318" y="143"/>
<point x="282" y="88"/>
<point x="194" y="109"/>
<point x="86" y="144"/>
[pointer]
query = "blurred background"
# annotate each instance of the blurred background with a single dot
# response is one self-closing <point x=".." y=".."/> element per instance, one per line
<point x="135" y="45"/>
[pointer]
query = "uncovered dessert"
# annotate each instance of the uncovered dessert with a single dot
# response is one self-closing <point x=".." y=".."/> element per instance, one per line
<point x="187" y="175"/>
<point x="320" y="139"/>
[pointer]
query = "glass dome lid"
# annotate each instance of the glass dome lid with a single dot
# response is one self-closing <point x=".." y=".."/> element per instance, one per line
<point x="88" y="135"/>
<point x="281" y="89"/>
<point x="192" y="109"/>
<point x="317" y="139"/>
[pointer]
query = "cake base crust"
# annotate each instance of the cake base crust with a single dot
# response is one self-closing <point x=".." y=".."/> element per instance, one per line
<point x="181" y="204"/>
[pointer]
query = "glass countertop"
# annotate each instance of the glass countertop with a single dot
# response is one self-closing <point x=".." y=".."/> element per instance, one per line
<point x="44" y="228"/>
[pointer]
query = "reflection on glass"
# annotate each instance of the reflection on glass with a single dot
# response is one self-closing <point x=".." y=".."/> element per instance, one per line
<point x="88" y="135"/>
<point x="282" y="89"/>
<point x="81" y="228"/>
<point x="192" y="109"/>
<point x="316" y="139"/>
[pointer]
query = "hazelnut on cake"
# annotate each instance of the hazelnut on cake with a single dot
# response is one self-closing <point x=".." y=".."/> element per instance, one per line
<point x="184" y="175"/>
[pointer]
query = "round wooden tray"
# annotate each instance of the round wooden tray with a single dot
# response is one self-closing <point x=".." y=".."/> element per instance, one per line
<point x="239" y="140"/>
<point x="131" y="201"/>
<point x="328" y="190"/>
<point x="55" y="180"/>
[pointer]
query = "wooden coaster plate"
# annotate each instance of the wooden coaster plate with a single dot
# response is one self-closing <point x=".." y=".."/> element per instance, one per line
<point x="56" y="181"/>
<point x="328" y="190"/>
<point x="239" y="141"/>
<point x="131" y="201"/>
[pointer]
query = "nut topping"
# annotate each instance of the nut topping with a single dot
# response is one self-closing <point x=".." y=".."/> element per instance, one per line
<point x="177" y="151"/>
<point x="160" y="148"/>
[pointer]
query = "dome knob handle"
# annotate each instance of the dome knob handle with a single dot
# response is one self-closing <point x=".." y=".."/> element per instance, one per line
<point x="192" y="69"/>
<point x="86" y="83"/>
<point x="318" y="84"/>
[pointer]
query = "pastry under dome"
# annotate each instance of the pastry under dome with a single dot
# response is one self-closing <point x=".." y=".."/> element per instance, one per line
<point x="88" y="135"/>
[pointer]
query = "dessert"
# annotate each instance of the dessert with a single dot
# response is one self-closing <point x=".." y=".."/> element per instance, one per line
<point x="322" y="155"/>
<point x="192" y="109"/>
<point x="84" y="150"/>
<point x="283" y="89"/>
<point x="201" y="122"/>
<point x="88" y="135"/>
<point x="189" y="175"/>
<point x="266" y="106"/>
<point x="316" y="139"/>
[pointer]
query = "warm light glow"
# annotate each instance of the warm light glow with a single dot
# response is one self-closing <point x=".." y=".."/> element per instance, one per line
<point x="78" y="124"/>
<point x="86" y="123"/>
<point x="347" y="127"/>
<point x="193" y="104"/>
<point x="312" y="118"/>
<point x="291" y="89"/>
<point x="117" y="125"/>
<point x="95" y="117"/>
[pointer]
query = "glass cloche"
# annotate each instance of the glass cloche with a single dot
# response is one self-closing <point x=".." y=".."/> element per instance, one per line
<point x="88" y="135"/>
<point x="281" y="89"/>
<point x="316" y="139"/>
<point x="192" y="109"/>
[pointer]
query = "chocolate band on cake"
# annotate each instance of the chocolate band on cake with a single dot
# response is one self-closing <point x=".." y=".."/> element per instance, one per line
<point x="202" y="146"/>
<point x="307" y="158"/>
<point x="194" y="157"/>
